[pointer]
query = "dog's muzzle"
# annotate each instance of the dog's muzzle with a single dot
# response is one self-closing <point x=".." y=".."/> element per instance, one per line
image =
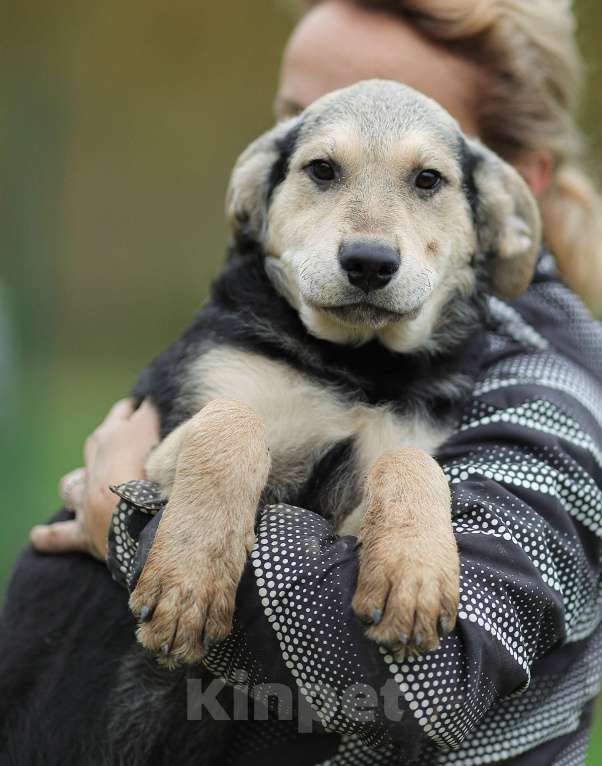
<point x="369" y="265"/>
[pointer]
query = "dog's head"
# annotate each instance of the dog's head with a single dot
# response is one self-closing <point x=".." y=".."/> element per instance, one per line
<point x="373" y="210"/>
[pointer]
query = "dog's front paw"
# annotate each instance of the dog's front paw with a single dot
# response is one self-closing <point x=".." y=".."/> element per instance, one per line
<point x="185" y="600"/>
<point x="408" y="589"/>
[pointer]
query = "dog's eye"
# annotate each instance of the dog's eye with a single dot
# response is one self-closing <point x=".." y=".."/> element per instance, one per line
<point x="321" y="171"/>
<point x="428" y="180"/>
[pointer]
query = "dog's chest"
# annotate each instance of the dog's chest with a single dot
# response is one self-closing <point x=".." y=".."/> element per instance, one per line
<point x="303" y="418"/>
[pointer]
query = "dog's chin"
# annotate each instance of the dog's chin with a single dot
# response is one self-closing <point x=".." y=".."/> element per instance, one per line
<point x="366" y="315"/>
<point x="355" y="324"/>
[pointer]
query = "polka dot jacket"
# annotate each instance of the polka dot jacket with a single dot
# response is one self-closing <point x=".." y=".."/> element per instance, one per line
<point x="514" y="683"/>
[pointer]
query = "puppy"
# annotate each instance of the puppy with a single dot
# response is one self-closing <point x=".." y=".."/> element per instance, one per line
<point x="331" y="361"/>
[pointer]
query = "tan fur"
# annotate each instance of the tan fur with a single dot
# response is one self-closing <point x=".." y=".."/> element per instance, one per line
<point x="190" y="578"/>
<point x="305" y="230"/>
<point x="162" y="462"/>
<point x="214" y="467"/>
<point x="283" y="397"/>
<point x="255" y="403"/>
<point x="408" y="561"/>
<point x="409" y="566"/>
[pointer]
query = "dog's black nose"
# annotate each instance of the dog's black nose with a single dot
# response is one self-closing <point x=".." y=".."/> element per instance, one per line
<point x="369" y="265"/>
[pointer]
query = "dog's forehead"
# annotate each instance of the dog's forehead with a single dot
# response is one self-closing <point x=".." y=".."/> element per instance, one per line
<point x="378" y="111"/>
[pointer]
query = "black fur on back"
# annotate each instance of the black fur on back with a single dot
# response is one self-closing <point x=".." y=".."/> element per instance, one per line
<point x="148" y="718"/>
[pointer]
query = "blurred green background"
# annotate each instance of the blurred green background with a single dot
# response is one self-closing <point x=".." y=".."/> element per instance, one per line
<point x="120" y="123"/>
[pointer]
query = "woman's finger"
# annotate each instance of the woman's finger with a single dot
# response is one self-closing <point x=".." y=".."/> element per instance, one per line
<point x="121" y="410"/>
<point x="76" y="497"/>
<point x="61" y="537"/>
<point x="147" y="416"/>
<point x="117" y="415"/>
<point x="69" y="484"/>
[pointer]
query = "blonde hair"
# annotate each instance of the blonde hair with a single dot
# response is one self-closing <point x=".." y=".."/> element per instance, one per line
<point x="529" y="49"/>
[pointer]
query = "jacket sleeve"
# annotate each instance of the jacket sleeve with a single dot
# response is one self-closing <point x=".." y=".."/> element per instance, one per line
<point x="525" y="473"/>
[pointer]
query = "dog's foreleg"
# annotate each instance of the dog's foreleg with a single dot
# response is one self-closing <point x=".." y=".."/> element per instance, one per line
<point x="162" y="461"/>
<point x="186" y="592"/>
<point x="409" y="566"/>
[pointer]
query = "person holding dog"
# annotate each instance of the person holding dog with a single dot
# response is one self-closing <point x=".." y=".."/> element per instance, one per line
<point x="508" y="71"/>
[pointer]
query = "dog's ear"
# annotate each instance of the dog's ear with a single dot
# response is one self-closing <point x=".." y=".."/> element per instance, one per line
<point x="507" y="217"/>
<point x="260" y="169"/>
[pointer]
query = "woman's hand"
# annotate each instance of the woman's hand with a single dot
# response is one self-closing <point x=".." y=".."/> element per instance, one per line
<point x="113" y="454"/>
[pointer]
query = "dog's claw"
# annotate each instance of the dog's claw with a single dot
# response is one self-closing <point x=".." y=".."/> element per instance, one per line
<point x="445" y="626"/>
<point x="377" y="615"/>
<point x="145" y="613"/>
